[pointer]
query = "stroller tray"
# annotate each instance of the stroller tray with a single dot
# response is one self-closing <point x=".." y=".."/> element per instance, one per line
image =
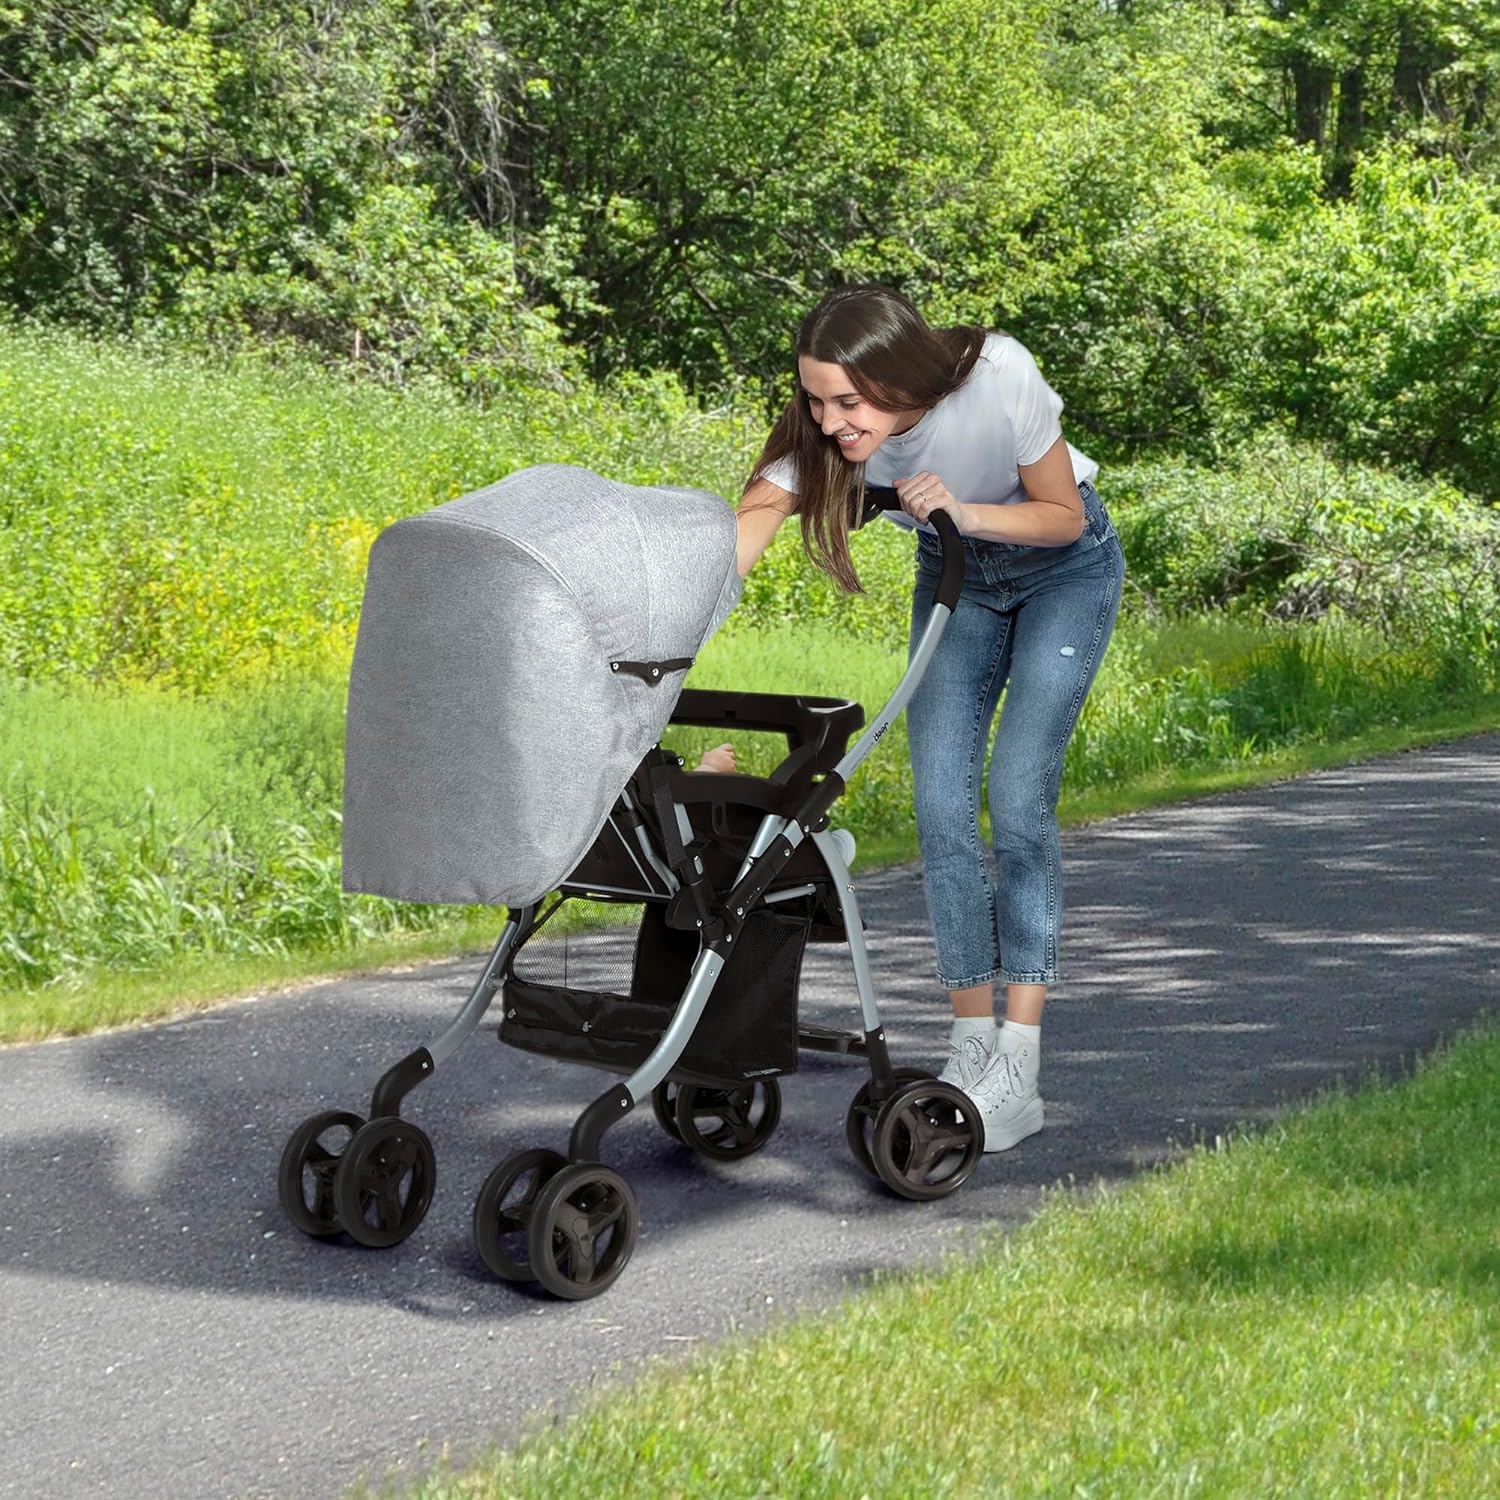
<point x="748" y="1028"/>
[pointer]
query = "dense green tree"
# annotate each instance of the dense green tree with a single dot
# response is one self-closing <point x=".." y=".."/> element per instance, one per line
<point x="716" y="164"/>
<point x="1382" y="327"/>
<point x="140" y="139"/>
<point x="1190" y="209"/>
<point x="1352" y="73"/>
<point x="269" y="168"/>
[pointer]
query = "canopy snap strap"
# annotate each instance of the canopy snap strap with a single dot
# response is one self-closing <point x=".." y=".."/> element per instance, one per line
<point x="652" y="671"/>
<point x="667" y="827"/>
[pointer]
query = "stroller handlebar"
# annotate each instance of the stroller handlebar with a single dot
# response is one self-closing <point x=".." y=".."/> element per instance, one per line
<point x="881" y="497"/>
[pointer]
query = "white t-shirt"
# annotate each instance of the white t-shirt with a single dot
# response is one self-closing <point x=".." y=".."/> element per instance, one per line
<point x="1004" y="414"/>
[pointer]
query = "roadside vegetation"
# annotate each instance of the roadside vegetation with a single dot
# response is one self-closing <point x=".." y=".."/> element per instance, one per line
<point x="175" y="654"/>
<point x="1309" y="1311"/>
<point x="270" y="281"/>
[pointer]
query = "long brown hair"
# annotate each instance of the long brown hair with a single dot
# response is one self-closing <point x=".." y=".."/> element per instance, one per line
<point x="897" y="362"/>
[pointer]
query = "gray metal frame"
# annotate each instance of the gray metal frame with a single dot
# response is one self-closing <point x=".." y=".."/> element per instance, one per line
<point x="708" y="966"/>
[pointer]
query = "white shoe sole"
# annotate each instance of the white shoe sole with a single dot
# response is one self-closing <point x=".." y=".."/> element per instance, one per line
<point x="1027" y="1122"/>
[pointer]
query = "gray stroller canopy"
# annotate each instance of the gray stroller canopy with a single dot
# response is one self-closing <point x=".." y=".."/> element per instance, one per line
<point x="488" y="733"/>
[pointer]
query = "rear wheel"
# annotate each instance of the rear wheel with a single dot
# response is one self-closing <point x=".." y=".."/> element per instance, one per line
<point x="731" y="1122"/>
<point x="664" y="1107"/>
<point x="859" y="1123"/>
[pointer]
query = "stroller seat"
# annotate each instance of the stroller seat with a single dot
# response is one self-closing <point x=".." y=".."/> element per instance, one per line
<point x="817" y="730"/>
<point x="724" y="810"/>
<point x="612" y="1011"/>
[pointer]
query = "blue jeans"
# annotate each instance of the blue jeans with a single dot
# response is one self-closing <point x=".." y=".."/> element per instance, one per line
<point x="1034" y="622"/>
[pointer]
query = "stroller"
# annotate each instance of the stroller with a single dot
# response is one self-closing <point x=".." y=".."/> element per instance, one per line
<point x="521" y="651"/>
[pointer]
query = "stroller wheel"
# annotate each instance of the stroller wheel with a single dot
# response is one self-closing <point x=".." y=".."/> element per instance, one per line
<point x="859" y="1123"/>
<point x="583" y="1228"/>
<point x="384" y="1182"/>
<point x="664" y="1107"/>
<point x="928" y="1137"/>
<point x="502" y="1216"/>
<point x="305" y="1181"/>
<point x="723" y="1122"/>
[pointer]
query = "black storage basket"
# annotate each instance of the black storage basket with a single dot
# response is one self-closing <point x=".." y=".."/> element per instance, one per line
<point x="747" y="1030"/>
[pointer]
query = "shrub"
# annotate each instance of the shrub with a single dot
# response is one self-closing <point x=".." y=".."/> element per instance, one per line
<point x="1285" y="530"/>
<point x="393" y="291"/>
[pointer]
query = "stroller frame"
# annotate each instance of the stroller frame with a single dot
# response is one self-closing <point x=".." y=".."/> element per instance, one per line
<point x="578" y="1218"/>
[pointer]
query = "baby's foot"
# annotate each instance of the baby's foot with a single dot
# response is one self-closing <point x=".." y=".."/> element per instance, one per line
<point x="720" y="760"/>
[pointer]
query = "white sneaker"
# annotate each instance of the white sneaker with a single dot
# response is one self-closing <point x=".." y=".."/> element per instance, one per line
<point x="967" y="1060"/>
<point x="1010" y="1110"/>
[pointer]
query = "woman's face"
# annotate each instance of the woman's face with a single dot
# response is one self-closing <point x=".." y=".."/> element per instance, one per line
<point x="844" y="415"/>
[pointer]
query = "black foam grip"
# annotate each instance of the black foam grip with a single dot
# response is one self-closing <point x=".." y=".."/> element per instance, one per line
<point x="950" y="584"/>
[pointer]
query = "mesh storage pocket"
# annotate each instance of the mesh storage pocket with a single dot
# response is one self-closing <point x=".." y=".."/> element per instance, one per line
<point x="748" y="1028"/>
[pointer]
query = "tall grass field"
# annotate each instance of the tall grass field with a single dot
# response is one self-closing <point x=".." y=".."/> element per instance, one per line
<point x="182" y="546"/>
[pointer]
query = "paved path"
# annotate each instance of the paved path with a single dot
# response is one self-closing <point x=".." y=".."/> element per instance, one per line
<point x="164" y="1332"/>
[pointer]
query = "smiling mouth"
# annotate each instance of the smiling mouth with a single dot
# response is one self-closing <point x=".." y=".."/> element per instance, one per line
<point x="848" y="439"/>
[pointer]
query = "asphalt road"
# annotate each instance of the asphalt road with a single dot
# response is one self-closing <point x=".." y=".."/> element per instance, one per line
<point x="163" y="1331"/>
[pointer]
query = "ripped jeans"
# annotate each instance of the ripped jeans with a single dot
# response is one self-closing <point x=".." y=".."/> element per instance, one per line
<point x="1033" y="621"/>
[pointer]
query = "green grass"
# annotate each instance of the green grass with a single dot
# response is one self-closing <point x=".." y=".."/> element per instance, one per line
<point x="197" y="523"/>
<point x="161" y="852"/>
<point x="171" y="764"/>
<point x="1313" y="1311"/>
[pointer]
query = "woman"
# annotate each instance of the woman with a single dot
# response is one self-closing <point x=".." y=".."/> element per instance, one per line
<point x="961" y="420"/>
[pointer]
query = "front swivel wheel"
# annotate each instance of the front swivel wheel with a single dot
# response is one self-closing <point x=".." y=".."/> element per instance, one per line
<point x="928" y="1137"/>
<point x="384" y="1182"/>
<point x="309" y="1164"/>
<point x="583" y="1228"/>
<point x="503" y="1210"/>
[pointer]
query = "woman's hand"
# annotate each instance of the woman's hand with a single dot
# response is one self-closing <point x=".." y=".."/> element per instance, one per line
<point x="925" y="493"/>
